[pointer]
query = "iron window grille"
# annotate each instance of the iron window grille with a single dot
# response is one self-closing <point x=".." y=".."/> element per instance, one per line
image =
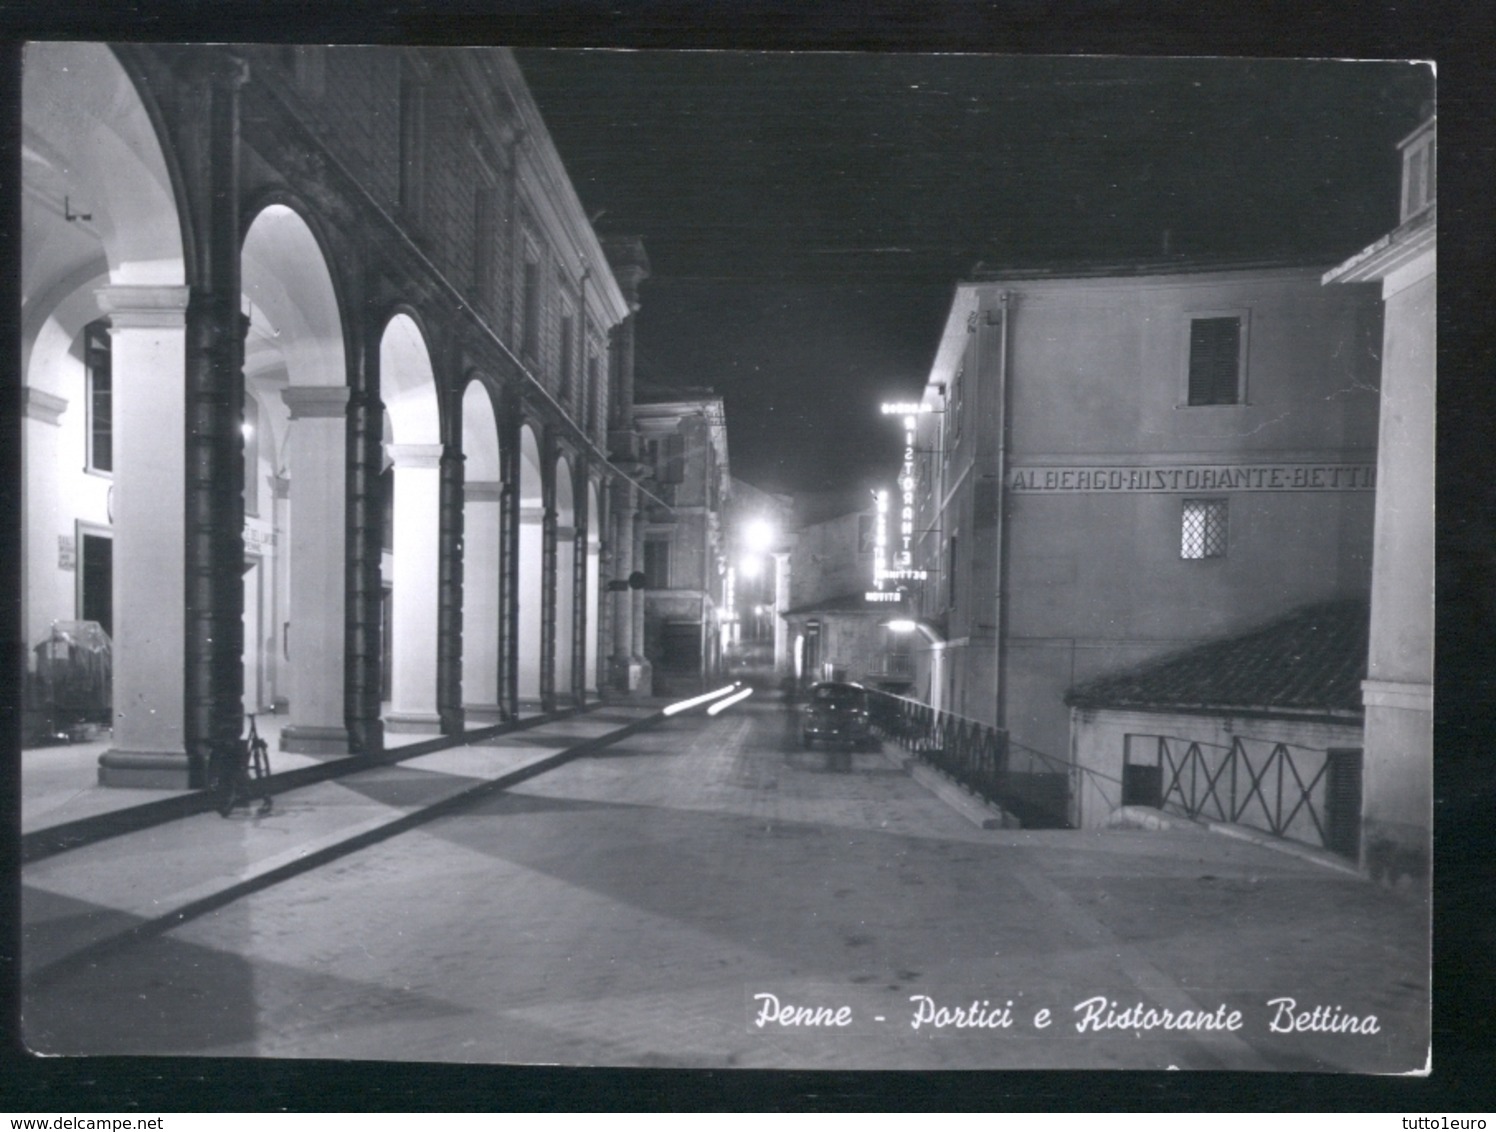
<point x="1203" y="529"/>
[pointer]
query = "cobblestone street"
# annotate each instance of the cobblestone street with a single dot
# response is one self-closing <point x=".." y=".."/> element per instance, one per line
<point x="639" y="906"/>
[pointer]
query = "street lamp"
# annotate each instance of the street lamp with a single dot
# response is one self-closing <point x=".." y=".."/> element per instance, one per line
<point x="758" y="535"/>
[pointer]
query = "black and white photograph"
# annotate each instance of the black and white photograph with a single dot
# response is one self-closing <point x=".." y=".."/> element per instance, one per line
<point x="726" y="559"/>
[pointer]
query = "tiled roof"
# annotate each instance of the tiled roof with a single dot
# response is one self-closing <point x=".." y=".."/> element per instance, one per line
<point x="1310" y="661"/>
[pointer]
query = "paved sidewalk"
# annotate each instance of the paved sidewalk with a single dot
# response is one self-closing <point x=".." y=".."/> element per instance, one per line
<point x="634" y="906"/>
<point x="76" y="900"/>
<point x="61" y="783"/>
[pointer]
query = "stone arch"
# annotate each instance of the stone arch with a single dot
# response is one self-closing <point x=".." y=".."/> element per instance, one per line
<point x="103" y="239"/>
<point x="295" y="366"/>
<point x="531" y="566"/>
<point x="566" y="572"/>
<point x="411" y="567"/>
<point x="594" y="678"/>
<point x="481" y="526"/>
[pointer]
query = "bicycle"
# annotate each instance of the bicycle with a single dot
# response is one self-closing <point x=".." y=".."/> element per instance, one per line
<point x="239" y="774"/>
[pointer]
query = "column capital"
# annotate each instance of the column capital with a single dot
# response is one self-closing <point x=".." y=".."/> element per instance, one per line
<point x="39" y="405"/>
<point x="316" y="400"/>
<point x="136" y="305"/>
<point x="415" y="455"/>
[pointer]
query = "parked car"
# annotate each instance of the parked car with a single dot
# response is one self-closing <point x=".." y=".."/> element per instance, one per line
<point x="836" y="712"/>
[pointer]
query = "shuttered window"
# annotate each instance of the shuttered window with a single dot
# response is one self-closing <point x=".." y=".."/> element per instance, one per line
<point x="1215" y="361"/>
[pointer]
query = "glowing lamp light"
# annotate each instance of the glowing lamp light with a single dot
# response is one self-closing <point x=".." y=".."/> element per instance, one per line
<point x="902" y="626"/>
<point x="749" y="567"/>
<point x="758" y="535"/>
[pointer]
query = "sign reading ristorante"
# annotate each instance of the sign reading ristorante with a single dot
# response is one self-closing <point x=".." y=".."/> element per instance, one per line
<point x="1197" y="477"/>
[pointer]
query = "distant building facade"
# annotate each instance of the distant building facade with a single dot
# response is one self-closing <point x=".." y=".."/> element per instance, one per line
<point x="683" y="449"/>
<point x="324" y="373"/>
<point x="837" y="633"/>
<point x="760" y="534"/>
<point x="1111" y="467"/>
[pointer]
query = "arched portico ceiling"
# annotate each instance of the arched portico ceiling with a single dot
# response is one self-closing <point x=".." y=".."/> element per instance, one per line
<point x="93" y="173"/>
<point x="293" y="307"/>
<point x="480" y="435"/>
<point x="58" y="332"/>
<point x="530" y="490"/>
<point x="407" y="385"/>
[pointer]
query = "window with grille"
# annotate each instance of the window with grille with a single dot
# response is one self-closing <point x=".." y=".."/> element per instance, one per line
<point x="1215" y="360"/>
<point x="98" y="368"/>
<point x="1203" y="529"/>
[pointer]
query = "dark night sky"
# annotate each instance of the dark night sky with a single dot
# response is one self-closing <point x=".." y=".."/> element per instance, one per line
<point x="808" y="215"/>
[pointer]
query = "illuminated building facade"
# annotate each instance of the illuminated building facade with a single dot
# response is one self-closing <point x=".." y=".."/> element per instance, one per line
<point x="1116" y="466"/>
<point x="327" y="382"/>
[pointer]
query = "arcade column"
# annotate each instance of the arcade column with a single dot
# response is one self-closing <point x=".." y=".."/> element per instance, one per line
<point x="317" y="631"/>
<point x="148" y="346"/>
<point x="414" y="585"/>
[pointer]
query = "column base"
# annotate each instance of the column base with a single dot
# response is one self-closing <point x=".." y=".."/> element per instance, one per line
<point x="413" y="722"/>
<point x="482" y="715"/>
<point x="145" y="770"/>
<point x="305" y="739"/>
<point x="367" y="736"/>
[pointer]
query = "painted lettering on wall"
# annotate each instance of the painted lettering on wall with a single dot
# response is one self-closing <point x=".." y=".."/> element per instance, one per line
<point x="1197" y="477"/>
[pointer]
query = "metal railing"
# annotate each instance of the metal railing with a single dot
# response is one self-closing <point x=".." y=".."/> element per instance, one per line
<point x="1283" y="789"/>
<point x="1028" y="784"/>
<point x="896" y="665"/>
